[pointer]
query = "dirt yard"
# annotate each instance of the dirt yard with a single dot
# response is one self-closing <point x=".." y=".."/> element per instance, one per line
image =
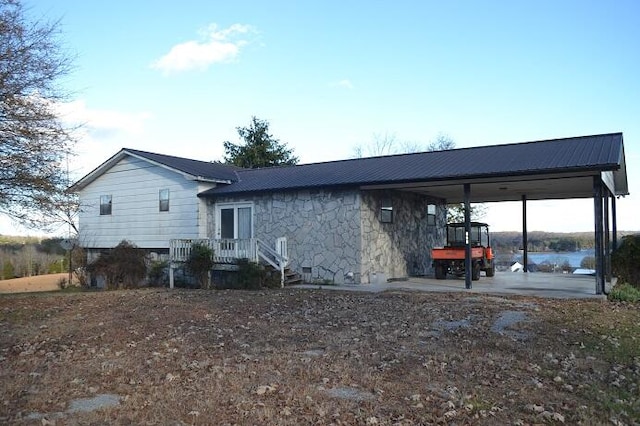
<point x="297" y="356"/>
<point x="36" y="283"/>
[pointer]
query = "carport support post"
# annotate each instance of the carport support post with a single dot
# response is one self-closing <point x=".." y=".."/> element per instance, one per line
<point x="597" y="204"/>
<point x="525" y="237"/>
<point x="614" y="224"/>
<point x="467" y="232"/>
<point x="607" y="239"/>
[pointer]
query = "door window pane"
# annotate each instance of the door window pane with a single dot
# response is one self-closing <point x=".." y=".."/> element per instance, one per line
<point x="244" y="222"/>
<point x="226" y="223"/>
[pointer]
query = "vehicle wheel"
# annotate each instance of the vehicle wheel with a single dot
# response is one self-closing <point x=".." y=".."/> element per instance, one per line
<point x="475" y="272"/>
<point x="441" y="272"/>
<point x="490" y="272"/>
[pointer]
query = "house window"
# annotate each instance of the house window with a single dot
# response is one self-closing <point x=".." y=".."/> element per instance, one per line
<point x="431" y="215"/>
<point x="386" y="211"/>
<point x="164" y="200"/>
<point x="105" y="205"/>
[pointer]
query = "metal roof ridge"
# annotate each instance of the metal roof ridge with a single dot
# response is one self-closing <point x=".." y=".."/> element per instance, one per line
<point x="344" y="160"/>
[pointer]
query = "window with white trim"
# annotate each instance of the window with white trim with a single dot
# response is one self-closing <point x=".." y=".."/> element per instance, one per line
<point x="386" y="211"/>
<point x="105" y="205"/>
<point x="431" y="215"/>
<point x="163" y="200"/>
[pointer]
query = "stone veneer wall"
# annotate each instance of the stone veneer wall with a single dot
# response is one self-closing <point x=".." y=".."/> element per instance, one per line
<point x="401" y="248"/>
<point x="322" y="229"/>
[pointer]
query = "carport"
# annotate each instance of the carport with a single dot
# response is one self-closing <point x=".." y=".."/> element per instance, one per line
<point x="569" y="168"/>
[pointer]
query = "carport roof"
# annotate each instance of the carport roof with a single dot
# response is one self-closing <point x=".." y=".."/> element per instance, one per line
<point x="557" y="168"/>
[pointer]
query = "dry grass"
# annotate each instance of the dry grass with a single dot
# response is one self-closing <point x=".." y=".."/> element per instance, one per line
<point x="317" y="357"/>
<point x="30" y="284"/>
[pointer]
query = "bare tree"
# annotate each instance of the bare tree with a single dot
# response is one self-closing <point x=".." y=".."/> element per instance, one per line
<point x="387" y="144"/>
<point x="442" y="142"/>
<point x="455" y="212"/>
<point x="381" y="144"/>
<point x="34" y="143"/>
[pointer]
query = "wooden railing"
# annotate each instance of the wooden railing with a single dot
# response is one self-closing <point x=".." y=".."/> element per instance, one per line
<point x="228" y="251"/>
<point x="179" y="250"/>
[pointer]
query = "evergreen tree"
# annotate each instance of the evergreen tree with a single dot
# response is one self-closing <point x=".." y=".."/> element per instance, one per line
<point x="260" y="149"/>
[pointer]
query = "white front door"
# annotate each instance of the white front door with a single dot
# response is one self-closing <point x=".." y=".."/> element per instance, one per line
<point x="234" y="221"/>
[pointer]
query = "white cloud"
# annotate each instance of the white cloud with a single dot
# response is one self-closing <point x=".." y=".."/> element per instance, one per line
<point x="344" y="84"/>
<point x="215" y="46"/>
<point x="101" y="133"/>
<point x="100" y="121"/>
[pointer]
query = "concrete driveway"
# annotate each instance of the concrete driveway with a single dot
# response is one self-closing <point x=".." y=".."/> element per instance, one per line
<point x="560" y="286"/>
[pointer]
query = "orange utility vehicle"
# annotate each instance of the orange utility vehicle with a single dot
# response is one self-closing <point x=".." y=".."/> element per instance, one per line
<point x="450" y="259"/>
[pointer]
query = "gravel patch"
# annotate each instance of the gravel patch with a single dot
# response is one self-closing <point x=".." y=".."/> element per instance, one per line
<point x="105" y="400"/>
<point x="81" y="405"/>
<point x="506" y="321"/>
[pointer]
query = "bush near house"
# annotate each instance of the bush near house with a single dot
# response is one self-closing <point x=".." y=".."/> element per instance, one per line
<point x="625" y="261"/>
<point x="124" y="266"/>
<point x="158" y="273"/>
<point x="199" y="263"/>
<point x="249" y="276"/>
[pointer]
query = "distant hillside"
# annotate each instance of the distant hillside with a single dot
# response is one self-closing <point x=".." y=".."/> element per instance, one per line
<point x="540" y="241"/>
<point x="16" y="239"/>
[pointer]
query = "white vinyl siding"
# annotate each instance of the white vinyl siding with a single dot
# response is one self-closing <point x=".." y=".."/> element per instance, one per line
<point x="135" y="186"/>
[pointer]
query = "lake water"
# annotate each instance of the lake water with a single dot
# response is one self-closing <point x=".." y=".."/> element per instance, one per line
<point x="574" y="257"/>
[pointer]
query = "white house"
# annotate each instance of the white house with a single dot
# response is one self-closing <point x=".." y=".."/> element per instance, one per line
<point x="342" y="221"/>
<point x="146" y="198"/>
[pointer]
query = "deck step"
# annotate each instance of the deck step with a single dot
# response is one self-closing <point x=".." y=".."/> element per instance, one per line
<point x="290" y="276"/>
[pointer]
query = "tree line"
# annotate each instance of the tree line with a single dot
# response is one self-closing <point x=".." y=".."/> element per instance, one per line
<point x="541" y="241"/>
<point x="26" y="257"/>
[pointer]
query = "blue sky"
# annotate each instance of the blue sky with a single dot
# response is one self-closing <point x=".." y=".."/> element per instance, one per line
<point x="179" y="77"/>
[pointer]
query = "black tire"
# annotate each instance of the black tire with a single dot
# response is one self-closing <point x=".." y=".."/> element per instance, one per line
<point x="490" y="272"/>
<point x="475" y="272"/>
<point x="441" y="272"/>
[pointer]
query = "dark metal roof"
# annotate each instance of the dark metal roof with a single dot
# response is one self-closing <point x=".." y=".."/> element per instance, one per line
<point x="203" y="169"/>
<point x="578" y="154"/>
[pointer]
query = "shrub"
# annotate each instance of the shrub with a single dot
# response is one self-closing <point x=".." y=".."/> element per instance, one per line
<point x="124" y="266"/>
<point x="253" y="276"/>
<point x="62" y="283"/>
<point x="199" y="263"/>
<point x="249" y="276"/>
<point x="158" y="273"/>
<point x="624" y="293"/>
<point x="8" y="271"/>
<point x="626" y="261"/>
<point x="79" y="264"/>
